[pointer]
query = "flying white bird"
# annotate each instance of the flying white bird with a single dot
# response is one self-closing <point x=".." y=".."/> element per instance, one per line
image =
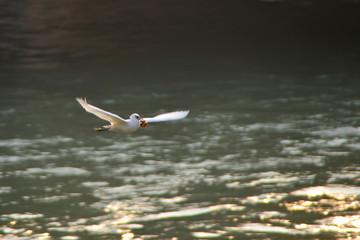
<point x="130" y="125"/>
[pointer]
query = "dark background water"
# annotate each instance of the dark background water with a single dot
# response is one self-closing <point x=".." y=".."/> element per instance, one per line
<point x="269" y="150"/>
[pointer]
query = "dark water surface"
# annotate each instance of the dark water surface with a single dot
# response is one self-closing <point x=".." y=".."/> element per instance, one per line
<point x="270" y="149"/>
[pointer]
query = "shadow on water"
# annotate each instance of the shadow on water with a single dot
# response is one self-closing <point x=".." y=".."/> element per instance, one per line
<point x="269" y="150"/>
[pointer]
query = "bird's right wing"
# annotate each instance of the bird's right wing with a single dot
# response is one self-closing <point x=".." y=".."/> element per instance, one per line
<point x="108" y="116"/>
<point x="171" y="116"/>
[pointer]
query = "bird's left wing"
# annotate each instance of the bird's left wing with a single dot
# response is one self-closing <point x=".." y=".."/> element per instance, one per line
<point x="171" y="116"/>
<point x="108" y="116"/>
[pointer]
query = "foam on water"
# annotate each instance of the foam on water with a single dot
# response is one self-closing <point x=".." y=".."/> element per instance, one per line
<point x="54" y="172"/>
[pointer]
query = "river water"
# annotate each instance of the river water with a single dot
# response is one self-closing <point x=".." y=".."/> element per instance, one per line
<point x="270" y="149"/>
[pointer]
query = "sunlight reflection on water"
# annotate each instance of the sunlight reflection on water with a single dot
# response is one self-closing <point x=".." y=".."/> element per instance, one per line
<point x="225" y="191"/>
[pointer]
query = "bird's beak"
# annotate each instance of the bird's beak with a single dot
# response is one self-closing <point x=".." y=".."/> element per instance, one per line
<point x="143" y="123"/>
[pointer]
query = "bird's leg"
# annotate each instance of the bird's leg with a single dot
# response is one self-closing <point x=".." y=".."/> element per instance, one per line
<point x="102" y="129"/>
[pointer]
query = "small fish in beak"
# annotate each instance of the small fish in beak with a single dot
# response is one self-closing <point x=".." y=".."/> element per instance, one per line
<point x="143" y="123"/>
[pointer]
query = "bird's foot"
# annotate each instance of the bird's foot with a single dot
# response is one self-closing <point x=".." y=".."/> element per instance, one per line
<point x="101" y="129"/>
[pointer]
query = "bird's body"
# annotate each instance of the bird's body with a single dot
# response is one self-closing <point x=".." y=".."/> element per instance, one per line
<point x="120" y="125"/>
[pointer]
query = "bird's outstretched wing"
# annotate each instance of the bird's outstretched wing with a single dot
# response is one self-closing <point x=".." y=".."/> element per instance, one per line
<point x="171" y="116"/>
<point x="108" y="116"/>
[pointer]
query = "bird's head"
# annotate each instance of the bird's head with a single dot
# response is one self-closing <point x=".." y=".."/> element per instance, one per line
<point x="136" y="117"/>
